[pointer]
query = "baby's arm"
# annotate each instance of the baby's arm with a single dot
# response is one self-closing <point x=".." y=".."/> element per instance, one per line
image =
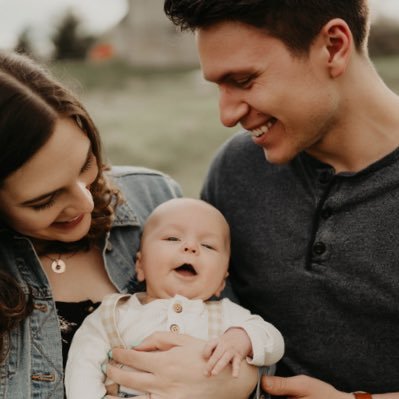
<point x="83" y="375"/>
<point x="246" y="335"/>
<point x="232" y="347"/>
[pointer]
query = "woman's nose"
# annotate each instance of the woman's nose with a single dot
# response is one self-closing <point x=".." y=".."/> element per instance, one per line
<point x="81" y="198"/>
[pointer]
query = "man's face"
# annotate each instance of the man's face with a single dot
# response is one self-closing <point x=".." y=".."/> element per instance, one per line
<point x="288" y="103"/>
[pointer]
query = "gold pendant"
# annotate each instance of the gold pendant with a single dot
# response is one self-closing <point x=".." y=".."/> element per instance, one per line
<point x="58" y="266"/>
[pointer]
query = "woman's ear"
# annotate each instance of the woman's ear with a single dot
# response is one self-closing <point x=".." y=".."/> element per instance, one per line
<point x="338" y="41"/>
<point x="139" y="268"/>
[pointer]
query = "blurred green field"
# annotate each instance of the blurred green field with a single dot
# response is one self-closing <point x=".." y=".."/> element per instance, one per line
<point x="167" y="120"/>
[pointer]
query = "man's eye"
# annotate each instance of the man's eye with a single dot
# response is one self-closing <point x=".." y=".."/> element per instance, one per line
<point x="243" y="82"/>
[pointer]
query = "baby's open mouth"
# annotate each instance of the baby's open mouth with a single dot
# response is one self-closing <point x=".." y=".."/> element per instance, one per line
<point x="186" y="269"/>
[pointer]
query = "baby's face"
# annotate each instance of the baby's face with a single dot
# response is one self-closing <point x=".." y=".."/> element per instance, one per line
<point x="185" y="250"/>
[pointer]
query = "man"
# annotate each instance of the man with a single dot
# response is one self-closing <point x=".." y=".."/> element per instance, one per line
<point x="311" y="188"/>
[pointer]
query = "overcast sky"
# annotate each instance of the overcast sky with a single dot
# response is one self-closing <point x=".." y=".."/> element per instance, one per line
<point x="41" y="16"/>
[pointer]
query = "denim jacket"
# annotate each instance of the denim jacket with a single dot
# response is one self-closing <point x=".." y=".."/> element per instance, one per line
<point x="33" y="367"/>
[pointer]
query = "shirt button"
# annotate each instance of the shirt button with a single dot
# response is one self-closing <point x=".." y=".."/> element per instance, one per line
<point x="174" y="328"/>
<point x="326" y="213"/>
<point x="319" y="248"/>
<point x="177" y="307"/>
<point x="326" y="175"/>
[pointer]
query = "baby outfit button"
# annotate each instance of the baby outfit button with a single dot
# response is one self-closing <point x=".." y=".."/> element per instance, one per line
<point x="174" y="328"/>
<point x="177" y="307"/>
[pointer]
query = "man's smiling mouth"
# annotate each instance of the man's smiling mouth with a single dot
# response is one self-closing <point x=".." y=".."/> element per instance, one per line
<point x="261" y="130"/>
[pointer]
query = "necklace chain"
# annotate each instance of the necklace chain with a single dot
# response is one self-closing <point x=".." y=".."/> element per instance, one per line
<point x="58" y="265"/>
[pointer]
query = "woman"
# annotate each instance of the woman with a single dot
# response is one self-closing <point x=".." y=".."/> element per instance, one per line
<point x="69" y="233"/>
<point x="69" y="228"/>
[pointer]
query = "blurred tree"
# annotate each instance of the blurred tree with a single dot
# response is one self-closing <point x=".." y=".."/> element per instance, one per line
<point x="384" y="37"/>
<point x="69" y="41"/>
<point x="24" y="43"/>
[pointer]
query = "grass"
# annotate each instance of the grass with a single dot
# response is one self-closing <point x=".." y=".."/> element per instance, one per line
<point x="167" y="120"/>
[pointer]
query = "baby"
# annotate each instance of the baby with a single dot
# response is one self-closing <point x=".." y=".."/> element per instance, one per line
<point x="183" y="260"/>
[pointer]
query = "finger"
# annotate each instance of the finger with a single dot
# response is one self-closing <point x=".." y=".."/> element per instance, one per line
<point x="294" y="386"/>
<point x="143" y="361"/>
<point x="161" y="341"/>
<point x="236" y="365"/>
<point x="133" y="379"/>
<point x="216" y="356"/>
<point x="209" y="348"/>
<point x="222" y="363"/>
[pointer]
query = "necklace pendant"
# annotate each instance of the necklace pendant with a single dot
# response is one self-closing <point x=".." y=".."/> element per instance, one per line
<point x="58" y="266"/>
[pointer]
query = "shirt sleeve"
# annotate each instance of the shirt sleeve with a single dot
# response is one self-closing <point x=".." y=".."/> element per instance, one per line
<point x="83" y="375"/>
<point x="267" y="342"/>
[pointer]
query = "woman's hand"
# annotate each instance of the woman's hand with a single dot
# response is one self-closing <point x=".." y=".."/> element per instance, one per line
<point x="171" y="366"/>
<point x="302" y="387"/>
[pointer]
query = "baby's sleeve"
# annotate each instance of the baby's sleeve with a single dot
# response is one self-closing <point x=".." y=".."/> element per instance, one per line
<point x="83" y="375"/>
<point x="267" y="342"/>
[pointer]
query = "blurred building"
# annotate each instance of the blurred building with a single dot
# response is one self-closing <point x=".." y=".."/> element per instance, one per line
<point x="146" y="37"/>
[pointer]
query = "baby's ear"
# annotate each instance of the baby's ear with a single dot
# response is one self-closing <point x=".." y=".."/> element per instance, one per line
<point x="139" y="269"/>
<point x="221" y="287"/>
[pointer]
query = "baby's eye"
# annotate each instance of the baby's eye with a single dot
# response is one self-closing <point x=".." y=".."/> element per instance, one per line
<point x="209" y="246"/>
<point x="172" y="239"/>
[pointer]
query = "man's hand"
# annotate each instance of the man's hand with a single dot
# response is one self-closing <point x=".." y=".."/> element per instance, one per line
<point x="302" y="387"/>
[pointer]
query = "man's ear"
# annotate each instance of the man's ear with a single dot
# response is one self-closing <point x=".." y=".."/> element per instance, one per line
<point x="139" y="268"/>
<point x="338" y="41"/>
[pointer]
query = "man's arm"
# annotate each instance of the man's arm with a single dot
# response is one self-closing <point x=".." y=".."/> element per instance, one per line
<point x="304" y="387"/>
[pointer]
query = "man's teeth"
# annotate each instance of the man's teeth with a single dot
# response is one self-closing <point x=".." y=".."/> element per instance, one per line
<point x="263" y="129"/>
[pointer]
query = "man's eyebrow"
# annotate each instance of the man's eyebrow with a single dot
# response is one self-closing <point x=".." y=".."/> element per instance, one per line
<point x="220" y="79"/>
<point x="51" y="193"/>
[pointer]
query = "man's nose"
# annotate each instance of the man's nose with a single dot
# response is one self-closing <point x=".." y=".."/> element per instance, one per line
<point x="232" y="108"/>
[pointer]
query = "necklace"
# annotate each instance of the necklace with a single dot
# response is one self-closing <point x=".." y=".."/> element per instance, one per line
<point x="57" y="264"/>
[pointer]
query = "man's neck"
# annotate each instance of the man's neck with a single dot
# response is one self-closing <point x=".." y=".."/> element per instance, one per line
<point x="368" y="125"/>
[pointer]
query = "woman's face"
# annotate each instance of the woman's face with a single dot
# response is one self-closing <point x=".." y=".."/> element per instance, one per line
<point x="49" y="197"/>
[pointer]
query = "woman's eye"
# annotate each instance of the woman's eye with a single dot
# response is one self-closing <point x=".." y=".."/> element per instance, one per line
<point x="46" y="205"/>
<point x="88" y="164"/>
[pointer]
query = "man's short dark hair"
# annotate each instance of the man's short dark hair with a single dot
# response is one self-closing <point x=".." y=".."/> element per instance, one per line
<point x="295" y="22"/>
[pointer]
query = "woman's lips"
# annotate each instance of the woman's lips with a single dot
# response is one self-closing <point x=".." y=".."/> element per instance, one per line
<point x="69" y="224"/>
